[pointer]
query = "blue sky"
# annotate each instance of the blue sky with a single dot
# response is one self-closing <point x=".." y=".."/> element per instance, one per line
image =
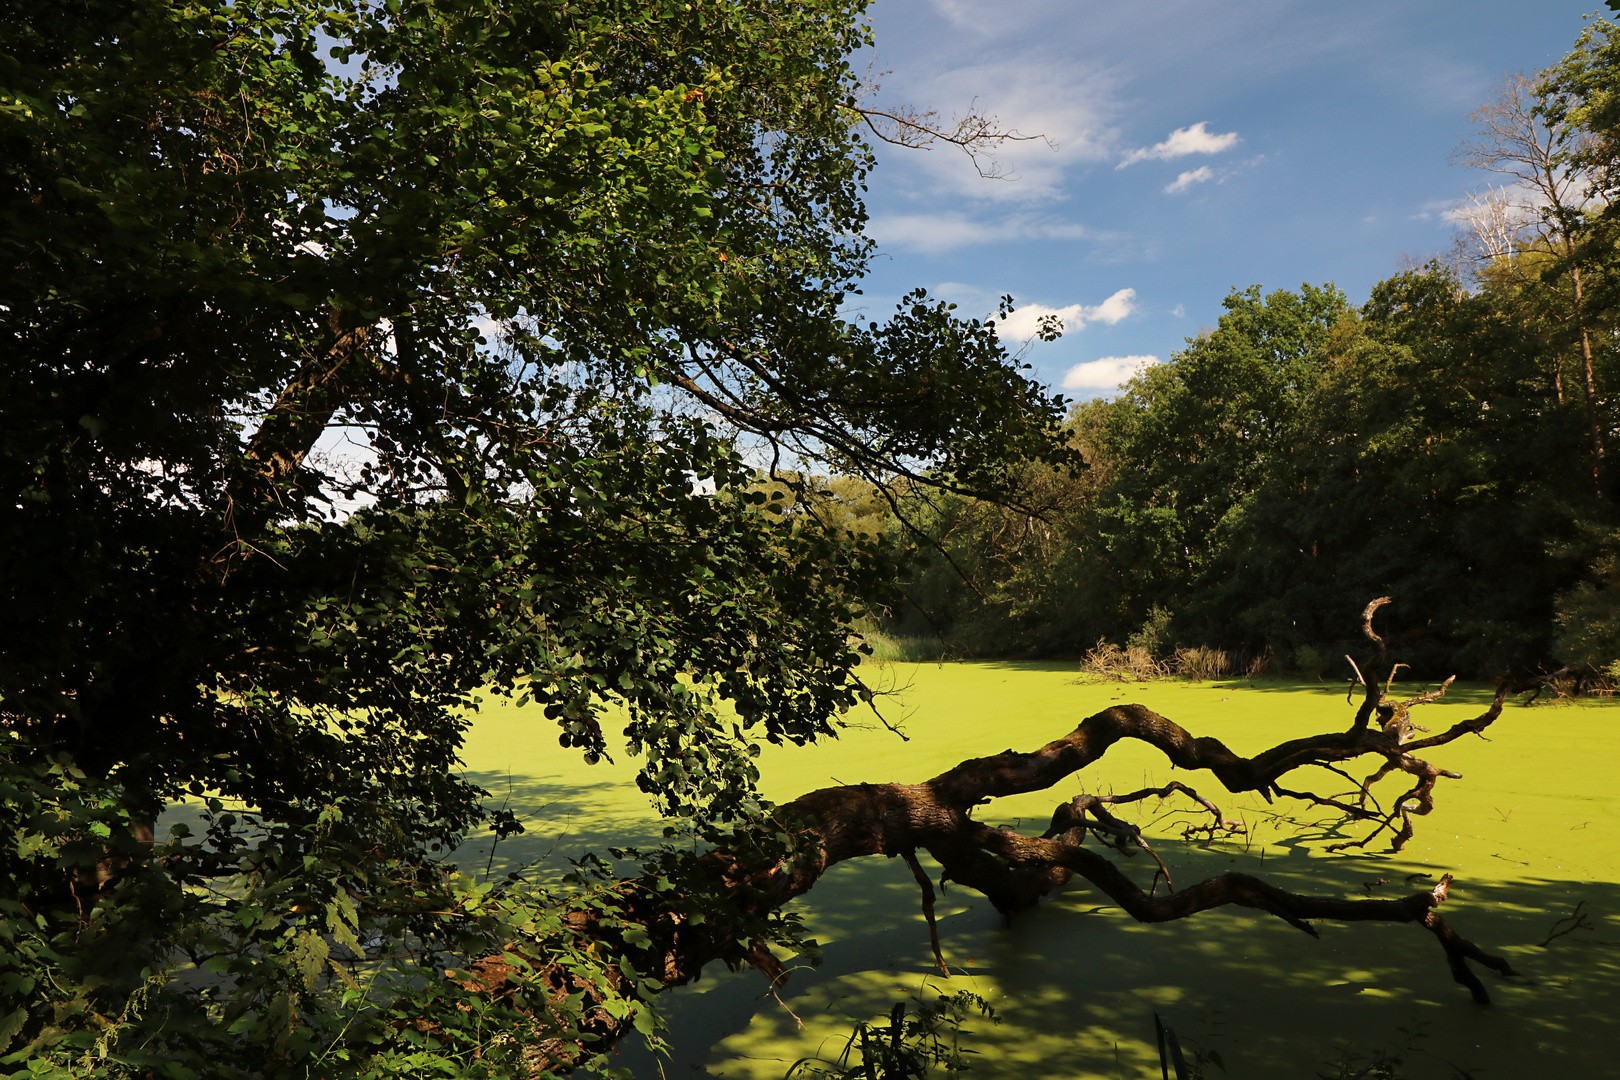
<point x="1200" y="146"/>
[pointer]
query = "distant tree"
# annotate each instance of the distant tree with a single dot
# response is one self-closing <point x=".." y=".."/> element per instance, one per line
<point x="1580" y="98"/>
<point x="1529" y="229"/>
<point x="1194" y="439"/>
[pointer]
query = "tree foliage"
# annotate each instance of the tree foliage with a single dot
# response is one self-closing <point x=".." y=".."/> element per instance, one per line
<point x="550" y="269"/>
<point x="1304" y="453"/>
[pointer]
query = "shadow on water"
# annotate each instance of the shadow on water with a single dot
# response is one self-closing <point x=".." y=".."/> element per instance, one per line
<point x="1070" y="666"/>
<point x="1077" y="982"/>
<point x="562" y="820"/>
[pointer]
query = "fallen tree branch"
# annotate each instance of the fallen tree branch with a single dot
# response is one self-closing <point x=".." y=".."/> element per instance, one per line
<point x="1014" y="870"/>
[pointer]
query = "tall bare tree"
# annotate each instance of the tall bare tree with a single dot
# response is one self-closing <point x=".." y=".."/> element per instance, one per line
<point x="1542" y="209"/>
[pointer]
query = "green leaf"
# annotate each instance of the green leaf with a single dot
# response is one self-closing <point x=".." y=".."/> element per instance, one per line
<point x="11" y="1024"/>
<point x="309" y="953"/>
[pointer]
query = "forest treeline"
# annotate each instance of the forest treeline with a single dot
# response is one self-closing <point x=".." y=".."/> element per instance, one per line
<point x="1445" y="443"/>
<point x="1300" y="458"/>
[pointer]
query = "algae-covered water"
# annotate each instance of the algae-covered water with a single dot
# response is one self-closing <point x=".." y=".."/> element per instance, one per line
<point x="1529" y="832"/>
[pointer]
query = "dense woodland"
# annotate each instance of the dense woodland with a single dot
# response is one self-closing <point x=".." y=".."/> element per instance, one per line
<point x="569" y="271"/>
<point x="1432" y="444"/>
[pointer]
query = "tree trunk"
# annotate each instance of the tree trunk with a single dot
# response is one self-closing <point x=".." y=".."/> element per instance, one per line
<point x="1593" y="424"/>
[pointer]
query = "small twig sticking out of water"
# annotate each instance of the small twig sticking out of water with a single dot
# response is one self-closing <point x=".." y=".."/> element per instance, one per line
<point x="785" y="1007"/>
<point x="1576" y="920"/>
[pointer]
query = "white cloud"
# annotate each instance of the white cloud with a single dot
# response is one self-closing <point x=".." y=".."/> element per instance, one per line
<point x="1182" y="142"/>
<point x="1179" y="311"/>
<point x="1025" y="322"/>
<point x="342" y="453"/>
<point x="1113" y="309"/>
<point x="493" y="329"/>
<point x="1105" y="374"/>
<point x="1188" y="179"/>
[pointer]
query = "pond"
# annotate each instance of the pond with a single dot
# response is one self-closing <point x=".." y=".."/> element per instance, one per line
<point x="1529" y="832"/>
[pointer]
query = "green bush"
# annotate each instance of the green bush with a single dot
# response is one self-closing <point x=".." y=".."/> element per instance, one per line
<point x="1311" y="661"/>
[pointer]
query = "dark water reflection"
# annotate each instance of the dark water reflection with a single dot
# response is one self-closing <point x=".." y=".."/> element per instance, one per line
<point x="1074" y="978"/>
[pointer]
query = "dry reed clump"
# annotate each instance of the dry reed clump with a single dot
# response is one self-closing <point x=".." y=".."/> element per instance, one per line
<point x="1573" y="683"/>
<point x="1136" y="663"/>
<point x="1262" y="663"/>
<point x="1202" y="663"/>
<point x="1126" y="663"/>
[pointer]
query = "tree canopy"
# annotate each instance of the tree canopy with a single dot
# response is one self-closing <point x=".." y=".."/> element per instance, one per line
<point x="1304" y="453"/>
<point x="359" y="357"/>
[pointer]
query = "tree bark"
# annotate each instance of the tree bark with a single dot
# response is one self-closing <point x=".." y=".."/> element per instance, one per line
<point x="1593" y="425"/>
<point x="267" y="481"/>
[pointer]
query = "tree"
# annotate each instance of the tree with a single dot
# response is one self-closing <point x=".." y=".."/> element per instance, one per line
<point x="1432" y="462"/>
<point x="1543" y="211"/>
<point x="1203" y="431"/>
<point x="996" y="580"/>
<point x="1577" y="99"/>
<point x="568" y="273"/>
<point x="485" y="241"/>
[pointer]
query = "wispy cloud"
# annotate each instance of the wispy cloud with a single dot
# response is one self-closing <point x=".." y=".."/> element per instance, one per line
<point x="963" y="295"/>
<point x="1025" y="322"/>
<point x="936" y="233"/>
<point x="1182" y="142"/>
<point x="1070" y="105"/>
<point x="1105" y="374"/>
<point x="966" y="15"/>
<point x="1188" y="179"/>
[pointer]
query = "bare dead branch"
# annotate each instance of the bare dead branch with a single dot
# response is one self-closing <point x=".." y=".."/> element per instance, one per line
<point x="1367" y="627"/>
<point x="1074" y="811"/>
<point x="976" y="133"/>
<point x="1360" y="812"/>
<point x="1575" y="920"/>
<point x="1360" y="680"/>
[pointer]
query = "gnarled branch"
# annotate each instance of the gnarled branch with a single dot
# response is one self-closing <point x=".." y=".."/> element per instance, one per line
<point x="1015" y="870"/>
